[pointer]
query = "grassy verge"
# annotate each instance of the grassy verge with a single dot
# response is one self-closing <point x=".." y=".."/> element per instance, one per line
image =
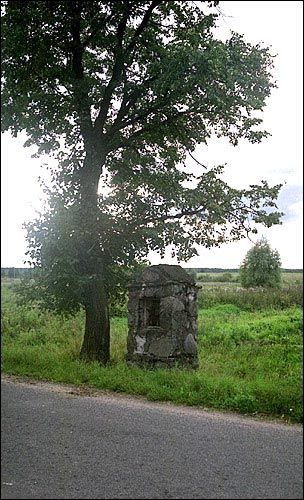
<point x="250" y="361"/>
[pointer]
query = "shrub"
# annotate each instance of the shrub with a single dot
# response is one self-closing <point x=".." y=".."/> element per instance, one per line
<point x="204" y="277"/>
<point x="224" y="278"/>
<point x="261" y="267"/>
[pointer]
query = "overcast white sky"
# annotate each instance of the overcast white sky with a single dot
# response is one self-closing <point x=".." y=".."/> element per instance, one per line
<point x="278" y="159"/>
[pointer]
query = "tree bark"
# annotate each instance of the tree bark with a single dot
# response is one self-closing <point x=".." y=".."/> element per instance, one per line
<point x="96" y="342"/>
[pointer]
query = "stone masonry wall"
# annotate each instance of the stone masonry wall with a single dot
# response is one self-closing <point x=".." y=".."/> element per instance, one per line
<point x="162" y="321"/>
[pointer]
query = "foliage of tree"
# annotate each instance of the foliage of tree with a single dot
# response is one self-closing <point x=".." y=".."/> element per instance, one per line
<point x="261" y="266"/>
<point x="120" y="93"/>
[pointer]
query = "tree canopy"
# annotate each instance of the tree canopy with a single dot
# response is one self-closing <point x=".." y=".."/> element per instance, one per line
<point x="120" y="93"/>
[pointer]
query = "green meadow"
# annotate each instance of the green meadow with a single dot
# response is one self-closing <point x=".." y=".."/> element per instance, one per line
<point x="250" y="352"/>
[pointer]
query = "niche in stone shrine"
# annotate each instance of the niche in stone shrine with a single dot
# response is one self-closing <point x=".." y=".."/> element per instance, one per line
<point x="162" y="318"/>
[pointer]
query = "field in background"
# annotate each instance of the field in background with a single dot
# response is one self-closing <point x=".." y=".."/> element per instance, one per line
<point x="250" y="353"/>
<point x="232" y="278"/>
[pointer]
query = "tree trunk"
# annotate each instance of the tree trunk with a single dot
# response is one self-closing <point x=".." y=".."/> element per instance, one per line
<point x="96" y="342"/>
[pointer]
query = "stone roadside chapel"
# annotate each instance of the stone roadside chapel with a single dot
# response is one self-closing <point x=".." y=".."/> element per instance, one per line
<point x="162" y="318"/>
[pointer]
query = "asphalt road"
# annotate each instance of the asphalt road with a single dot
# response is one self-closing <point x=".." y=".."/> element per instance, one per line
<point x="57" y="443"/>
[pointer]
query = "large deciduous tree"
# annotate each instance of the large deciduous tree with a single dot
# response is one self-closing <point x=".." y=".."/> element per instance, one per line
<point x="121" y="92"/>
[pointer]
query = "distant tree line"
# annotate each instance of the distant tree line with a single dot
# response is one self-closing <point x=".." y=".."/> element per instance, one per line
<point x="14" y="272"/>
<point x="232" y="270"/>
<point x="19" y="272"/>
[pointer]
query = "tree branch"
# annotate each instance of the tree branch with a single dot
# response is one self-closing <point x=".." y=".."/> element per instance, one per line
<point x="143" y="24"/>
<point x="127" y="102"/>
<point x="198" y="162"/>
<point x="80" y="90"/>
<point x="150" y="127"/>
<point x="120" y="60"/>
<point x="116" y="73"/>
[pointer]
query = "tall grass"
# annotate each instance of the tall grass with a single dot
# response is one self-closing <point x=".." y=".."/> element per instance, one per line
<point x="250" y="361"/>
